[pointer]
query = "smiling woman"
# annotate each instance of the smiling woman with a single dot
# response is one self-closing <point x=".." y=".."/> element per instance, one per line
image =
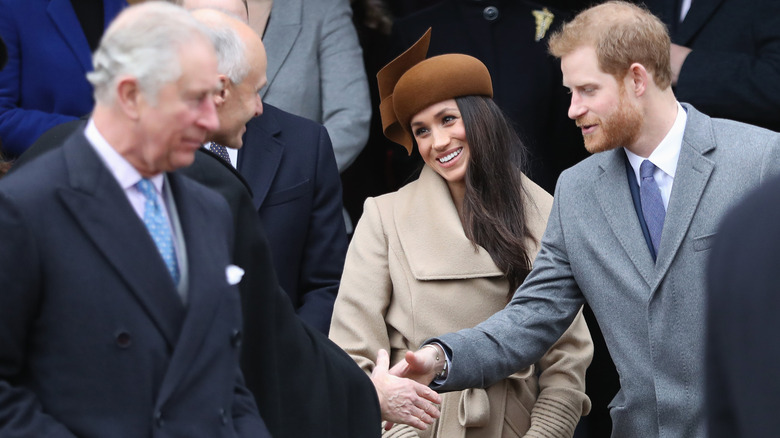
<point x="446" y="252"/>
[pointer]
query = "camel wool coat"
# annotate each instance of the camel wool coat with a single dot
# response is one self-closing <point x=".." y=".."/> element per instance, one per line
<point x="411" y="274"/>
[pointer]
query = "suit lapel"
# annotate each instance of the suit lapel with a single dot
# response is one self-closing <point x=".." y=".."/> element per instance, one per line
<point x="429" y="249"/>
<point x="284" y="26"/>
<point x="697" y="17"/>
<point x="100" y="206"/>
<point x="614" y="197"/>
<point x="226" y="165"/>
<point x="690" y="180"/>
<point x="64" y="17"/>
<point x="204" y="287"/>
<point x="258" y="160"/>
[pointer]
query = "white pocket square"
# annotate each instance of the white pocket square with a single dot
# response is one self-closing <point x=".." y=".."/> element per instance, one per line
<point x="233" y="274"/>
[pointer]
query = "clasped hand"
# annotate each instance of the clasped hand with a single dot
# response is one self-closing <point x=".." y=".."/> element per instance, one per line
<point x="404" y="395"/>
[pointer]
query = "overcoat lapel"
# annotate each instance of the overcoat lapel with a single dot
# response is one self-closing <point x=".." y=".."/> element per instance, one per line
<point x="203" y="294"/>
<point x="201" y="172"/>
<point x="691" y="177"/>
<point x="100" y="206"/>
<point x="258" y="160"/>
<point x="280" y="37"/>
<point x="64" y="17"/>
<point x="614" y="197"/>
<point x="429" y="248"/>
<point x="697" y="17"/>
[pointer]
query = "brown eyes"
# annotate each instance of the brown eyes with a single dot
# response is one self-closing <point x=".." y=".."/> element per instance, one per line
<point x="445" y="120"/>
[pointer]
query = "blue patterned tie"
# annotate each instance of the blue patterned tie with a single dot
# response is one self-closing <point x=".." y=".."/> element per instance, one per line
<point x="158" y="227"/>
<point x="652" y="204"/>
<point x="221" y="151"/>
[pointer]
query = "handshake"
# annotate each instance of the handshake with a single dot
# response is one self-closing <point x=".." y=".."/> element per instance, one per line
<point x="404" y="395"/>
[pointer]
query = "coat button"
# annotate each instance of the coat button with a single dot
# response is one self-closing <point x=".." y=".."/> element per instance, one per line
<point x="158" y="419"/>
<point x="490" y="13"/>
<point x="123" y="339"/>
<point x="236" y="338"/>
<point x="223" y="417"/>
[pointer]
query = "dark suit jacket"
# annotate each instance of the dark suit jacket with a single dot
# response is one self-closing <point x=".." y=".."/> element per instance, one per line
<point x="289" y="164"/>
<point x="526" y="79"/>
<point x="734" y="69"/>
<point x="743" y="392"/>
<point x="94" y="339"/>
<point x="44" y="83"/>
<point x="303" y="383"/>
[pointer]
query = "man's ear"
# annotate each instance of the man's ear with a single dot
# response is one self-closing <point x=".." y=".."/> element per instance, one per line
<point x="638" y="79"/>
<point x="129" y="96"/>
<point x="225" y="87"/>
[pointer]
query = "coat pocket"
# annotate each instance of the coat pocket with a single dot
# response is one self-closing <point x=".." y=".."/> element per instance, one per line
<point x="288" y="194"/>
<point x="704" y="243"/>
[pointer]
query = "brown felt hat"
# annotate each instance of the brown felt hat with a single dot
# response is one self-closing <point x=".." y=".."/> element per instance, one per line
<point x="410" y="83"/>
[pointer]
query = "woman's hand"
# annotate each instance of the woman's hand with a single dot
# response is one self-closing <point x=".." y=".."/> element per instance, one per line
<point x="403" y="400"/>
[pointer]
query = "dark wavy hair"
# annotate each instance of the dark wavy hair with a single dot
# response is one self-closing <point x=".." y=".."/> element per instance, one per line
<point x="493" y="206"/>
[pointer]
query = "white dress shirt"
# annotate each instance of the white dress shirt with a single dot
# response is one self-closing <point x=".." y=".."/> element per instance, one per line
<point x="664" y="157"/>
<point x="684" y="8"/>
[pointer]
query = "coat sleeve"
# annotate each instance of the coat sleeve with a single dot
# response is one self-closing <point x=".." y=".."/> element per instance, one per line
<point x="21" y="413"/>
<point x="358" y="324"/>
<point x="562" y="400"/>
<point x="346" y="105"/>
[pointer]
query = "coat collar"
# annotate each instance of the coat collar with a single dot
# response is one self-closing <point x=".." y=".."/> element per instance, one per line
<point x="67" y="22"/>
<point x="261" y="155"/>
<point x="430" y="232"/>
<point x="693" y="173"/>
<point x="203" y="152"/>
<point x="614" y="197"/>
<point x="98" y="203"/>
<point x="64" y="17"/>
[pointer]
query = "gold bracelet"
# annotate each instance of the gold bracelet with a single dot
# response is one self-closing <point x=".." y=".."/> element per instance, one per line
<point x="441" y="375"/>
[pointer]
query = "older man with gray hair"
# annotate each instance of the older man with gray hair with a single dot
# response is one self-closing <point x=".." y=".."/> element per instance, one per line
<point x="288" y="163"/>
<point x="119" y="310"/>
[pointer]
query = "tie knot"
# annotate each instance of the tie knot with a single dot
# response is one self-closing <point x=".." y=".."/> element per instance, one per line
<point x="646" y="169"/>
<point x="146" y="187"/>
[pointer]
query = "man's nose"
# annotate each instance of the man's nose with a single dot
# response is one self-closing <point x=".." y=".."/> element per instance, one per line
<point x="576" y="108"/>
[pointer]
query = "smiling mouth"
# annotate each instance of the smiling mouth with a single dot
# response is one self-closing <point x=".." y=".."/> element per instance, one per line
<point x="447" y="158"/>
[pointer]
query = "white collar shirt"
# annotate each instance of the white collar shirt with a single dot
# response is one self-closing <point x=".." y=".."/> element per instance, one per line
<point x="665" y="157"/>
<point x="126" y="175"/>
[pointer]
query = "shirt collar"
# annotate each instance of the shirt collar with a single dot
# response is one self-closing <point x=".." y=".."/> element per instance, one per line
<point x="124" y="172"/>
<point x="667" y="152"/>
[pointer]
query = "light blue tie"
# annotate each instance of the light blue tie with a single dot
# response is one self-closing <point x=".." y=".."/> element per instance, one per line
<point x="652" y="204"/>
<point x="158" y="227"/>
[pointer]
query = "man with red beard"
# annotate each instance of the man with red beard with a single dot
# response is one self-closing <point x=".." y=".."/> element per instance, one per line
<point x="629" y="231"/>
